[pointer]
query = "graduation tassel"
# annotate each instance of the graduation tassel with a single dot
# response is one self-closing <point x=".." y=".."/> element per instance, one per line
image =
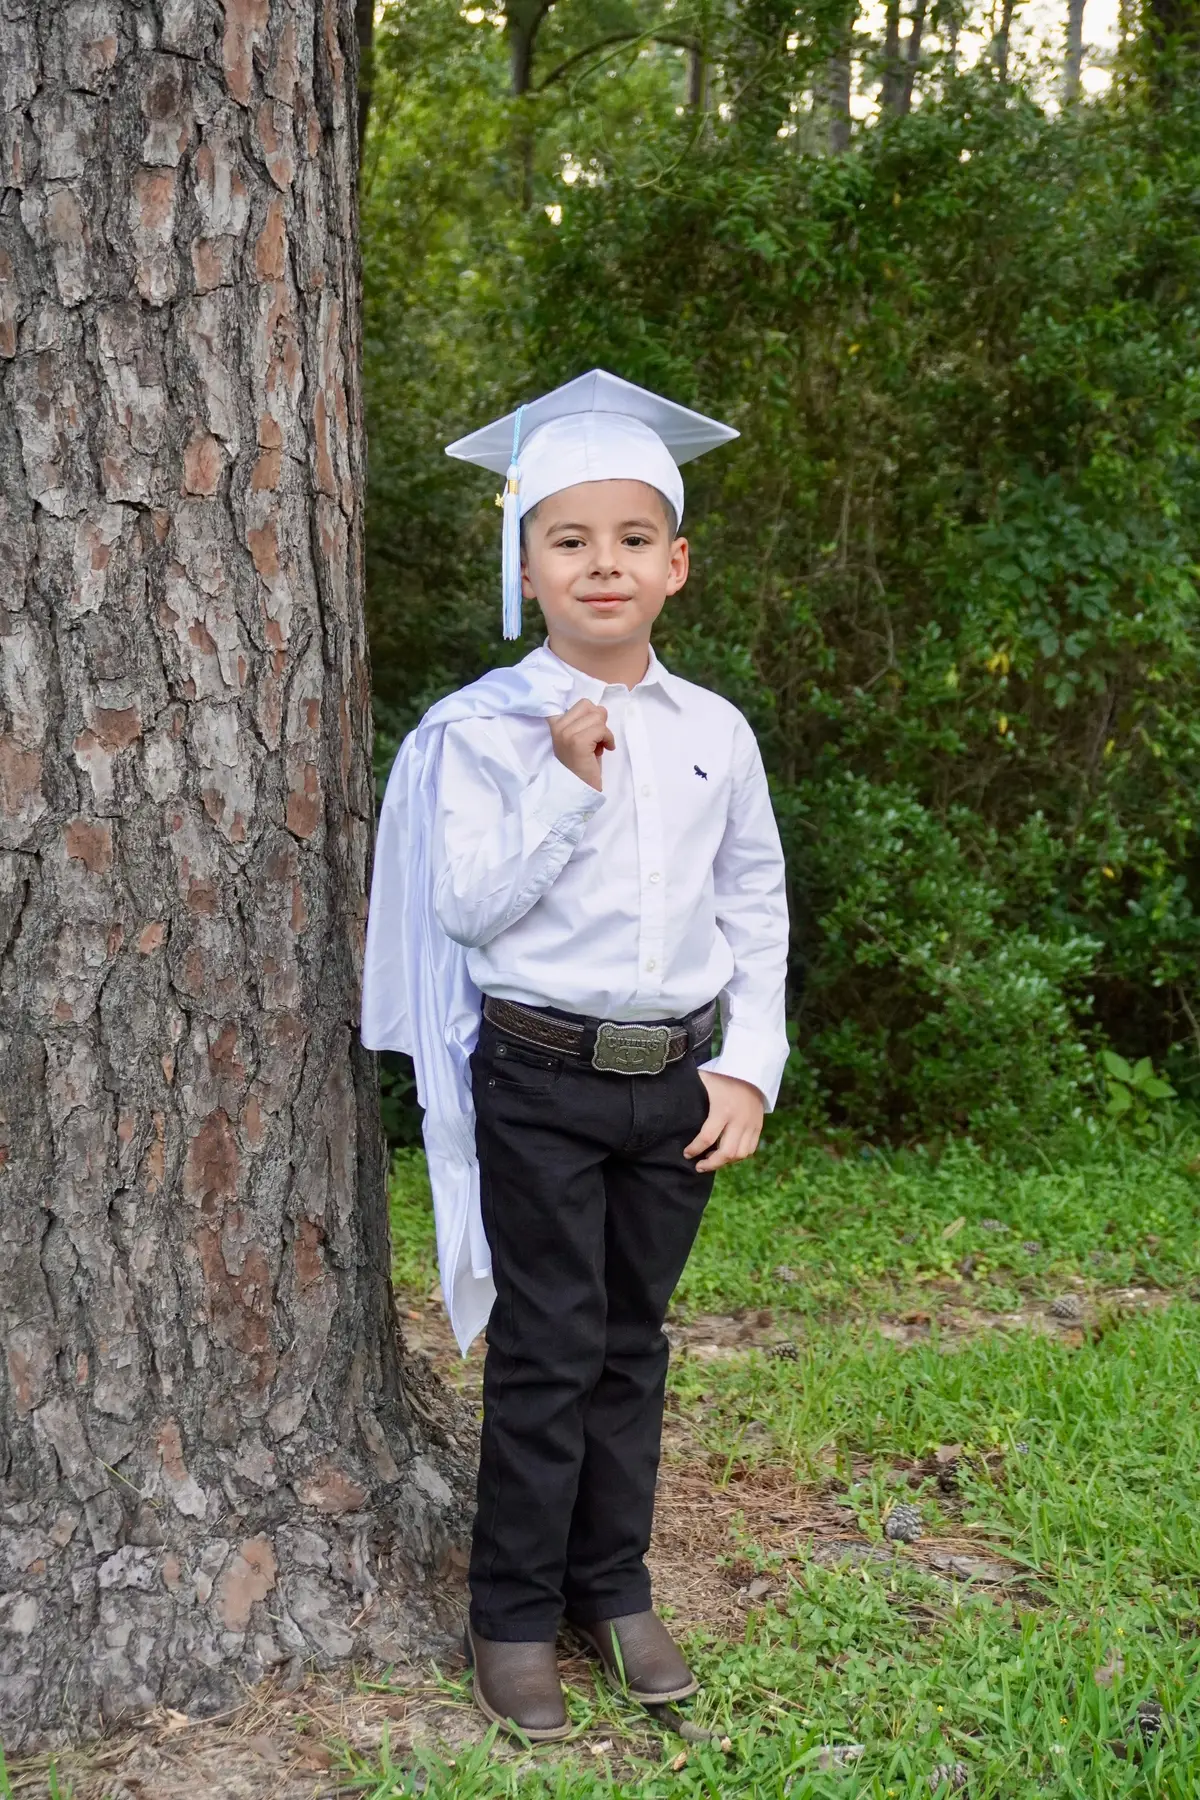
<point x="511" y="542"/>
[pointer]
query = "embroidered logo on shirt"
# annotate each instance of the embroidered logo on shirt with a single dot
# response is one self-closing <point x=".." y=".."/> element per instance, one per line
<point x="700" y="772"/>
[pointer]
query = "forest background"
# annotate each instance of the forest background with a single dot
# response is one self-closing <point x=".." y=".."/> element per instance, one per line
<point x="949" y="569"/>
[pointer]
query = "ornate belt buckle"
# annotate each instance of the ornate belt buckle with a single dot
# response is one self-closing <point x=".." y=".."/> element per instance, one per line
<point x="631" y="1049"/>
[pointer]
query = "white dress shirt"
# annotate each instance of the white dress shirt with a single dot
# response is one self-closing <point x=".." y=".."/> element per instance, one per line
<point x="644" y="901"/>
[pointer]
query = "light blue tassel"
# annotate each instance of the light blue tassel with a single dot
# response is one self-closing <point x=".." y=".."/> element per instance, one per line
<point x="511" y="542"/>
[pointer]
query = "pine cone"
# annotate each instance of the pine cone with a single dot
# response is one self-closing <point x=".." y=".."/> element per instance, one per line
<point x="904" y="1524"/>
<point x="953" y="1776"/>
<point x="1068" y="1309"/>
<point x="947" y="1466"/>
<point x="1149" y="1720"/>
<point x="1032" y="1247"/>
<point x="785" y="1352"/>
<point x="992" y="1225"/>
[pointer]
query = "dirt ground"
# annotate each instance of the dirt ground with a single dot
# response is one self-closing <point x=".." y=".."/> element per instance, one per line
<point x="287" y="1742"/>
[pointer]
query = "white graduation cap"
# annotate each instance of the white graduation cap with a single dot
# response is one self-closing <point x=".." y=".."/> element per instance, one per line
<point x="595" y="428"/>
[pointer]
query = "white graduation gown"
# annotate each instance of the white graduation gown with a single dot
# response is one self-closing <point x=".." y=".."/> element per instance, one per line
<point x="417" y="993"/>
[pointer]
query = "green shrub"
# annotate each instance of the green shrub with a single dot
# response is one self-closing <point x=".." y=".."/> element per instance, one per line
<point x="925" y="1006"/>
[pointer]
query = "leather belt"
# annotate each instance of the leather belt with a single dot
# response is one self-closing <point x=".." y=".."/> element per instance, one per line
<point x="611" y="1045"/>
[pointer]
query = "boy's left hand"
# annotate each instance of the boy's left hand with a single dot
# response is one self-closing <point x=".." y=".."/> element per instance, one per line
<point x="733" y="1126"/>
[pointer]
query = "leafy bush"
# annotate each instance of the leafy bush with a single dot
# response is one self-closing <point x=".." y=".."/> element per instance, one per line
<point x="1135" y="1094"/>
<point x="924" y="1005"/>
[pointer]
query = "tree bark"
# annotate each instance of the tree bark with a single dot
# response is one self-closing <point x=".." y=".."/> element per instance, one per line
<point x="213" y="1456"/>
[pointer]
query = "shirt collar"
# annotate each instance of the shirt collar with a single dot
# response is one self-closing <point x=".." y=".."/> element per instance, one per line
<point x="588" y="687"/>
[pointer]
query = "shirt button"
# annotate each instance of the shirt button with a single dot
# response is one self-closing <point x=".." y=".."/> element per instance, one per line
<point x="656" y="876"/>
<point x="651" y="966"/>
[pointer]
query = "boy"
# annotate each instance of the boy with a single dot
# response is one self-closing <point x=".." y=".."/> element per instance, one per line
<point x="577" y="862"/>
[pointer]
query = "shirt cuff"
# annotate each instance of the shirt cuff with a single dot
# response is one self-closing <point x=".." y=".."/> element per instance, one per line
<point x="565" y="797"/>
<point x="752" y="1056"/>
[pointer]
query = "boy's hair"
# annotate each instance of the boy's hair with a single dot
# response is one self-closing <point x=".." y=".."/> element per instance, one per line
<point x="668" y="514"/>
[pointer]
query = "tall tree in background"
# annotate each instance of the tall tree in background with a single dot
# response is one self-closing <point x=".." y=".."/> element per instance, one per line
<point x="213" y="1456"/>
<point x="901" y="59"/>
<point x="1073" y="59"/>
<point x="1002" y="41"/>
<point x="839" y="76"/>
<point x="521" y="21"/>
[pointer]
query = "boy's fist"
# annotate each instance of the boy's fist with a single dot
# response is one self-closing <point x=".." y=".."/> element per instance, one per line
<point x="731" y="1131"/>
<point x="580" y="738"/>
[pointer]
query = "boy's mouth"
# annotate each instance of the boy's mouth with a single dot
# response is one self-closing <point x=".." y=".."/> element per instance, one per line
<point x="604" y="599"/>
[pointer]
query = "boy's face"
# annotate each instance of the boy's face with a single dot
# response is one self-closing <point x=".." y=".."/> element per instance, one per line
<point x="600" y="562"/>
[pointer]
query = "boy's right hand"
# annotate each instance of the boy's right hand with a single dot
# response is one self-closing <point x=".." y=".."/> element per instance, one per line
<point x="580" y="738"/>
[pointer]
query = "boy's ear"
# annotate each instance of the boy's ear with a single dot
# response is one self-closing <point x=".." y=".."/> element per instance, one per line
<point x="528" y="591"/>
<point x="677" y="570"/>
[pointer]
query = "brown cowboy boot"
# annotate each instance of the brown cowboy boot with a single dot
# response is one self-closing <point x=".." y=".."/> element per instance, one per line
<point x="639" y="1654"/>
<point x="517" y="1685"/>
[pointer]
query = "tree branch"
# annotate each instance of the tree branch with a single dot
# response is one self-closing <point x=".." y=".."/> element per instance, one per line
<point x="616" y="38"/>
<point x="1189" y="1014"/>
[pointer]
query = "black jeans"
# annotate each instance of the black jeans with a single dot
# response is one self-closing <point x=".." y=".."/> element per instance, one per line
<point x="590" y="1211"/>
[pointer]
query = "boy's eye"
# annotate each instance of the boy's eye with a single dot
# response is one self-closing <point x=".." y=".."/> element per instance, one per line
<point x="636" y="539"/>
<point x="568" y="543"/>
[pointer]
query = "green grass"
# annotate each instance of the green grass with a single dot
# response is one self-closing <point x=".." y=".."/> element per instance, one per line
<point x="1082" y="1466"/>
<point x="868" y="1230"/>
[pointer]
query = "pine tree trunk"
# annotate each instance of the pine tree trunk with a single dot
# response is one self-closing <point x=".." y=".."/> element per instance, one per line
<point x="213" y="1456"/>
